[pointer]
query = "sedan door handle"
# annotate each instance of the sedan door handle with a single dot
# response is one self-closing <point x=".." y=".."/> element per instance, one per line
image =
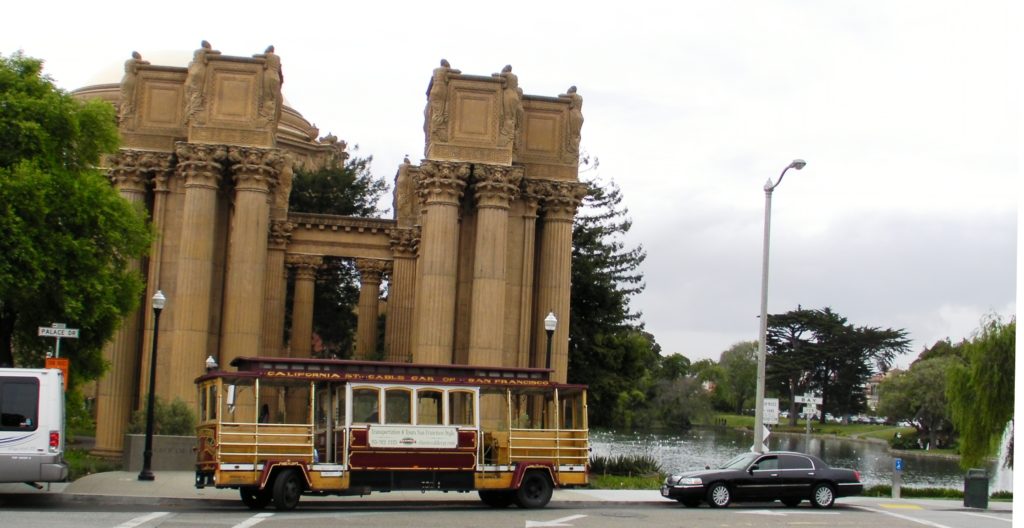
<point x="774" y="474"/>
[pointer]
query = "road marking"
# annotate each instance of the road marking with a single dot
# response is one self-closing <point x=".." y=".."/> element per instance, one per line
<point x="557" y="522"/>
<point x="142" y="520"/>
<point x="904" y="517"/>
<point x="1004" y="519"/>
<point x="780" y="513"/>
<point x="254" y="520"/>
<point x="896" y="506"/>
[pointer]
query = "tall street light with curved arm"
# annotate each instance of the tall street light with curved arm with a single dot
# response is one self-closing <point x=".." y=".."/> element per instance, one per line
<point x="769" y="186"/>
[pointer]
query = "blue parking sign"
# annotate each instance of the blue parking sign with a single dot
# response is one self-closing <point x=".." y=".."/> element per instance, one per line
<point x="898" y="462"/>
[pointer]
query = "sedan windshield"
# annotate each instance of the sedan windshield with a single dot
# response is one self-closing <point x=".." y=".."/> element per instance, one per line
<point x="741" y="461"/>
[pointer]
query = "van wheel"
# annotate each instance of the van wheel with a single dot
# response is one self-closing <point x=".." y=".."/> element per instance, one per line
<point x="287" y="490"/>
<point x="534" y="491"/>
<point x="497" y="498"/>
<point x="254" y="498"/>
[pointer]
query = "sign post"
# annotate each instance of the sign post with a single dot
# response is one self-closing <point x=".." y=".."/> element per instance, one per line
<point x="811" y="403"/>
<point x="58" y="331"/>
<point x="897" y="477"/>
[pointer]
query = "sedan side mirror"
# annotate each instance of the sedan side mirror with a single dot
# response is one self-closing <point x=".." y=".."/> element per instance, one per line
<point x="753" y="469"/>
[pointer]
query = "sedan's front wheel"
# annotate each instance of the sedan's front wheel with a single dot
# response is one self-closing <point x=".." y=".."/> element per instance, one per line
<point x="719" y="496"/>
<point x="823" y="496"/>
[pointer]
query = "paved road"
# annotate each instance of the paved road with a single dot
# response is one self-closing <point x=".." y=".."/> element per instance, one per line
<point x="447" y="513"/>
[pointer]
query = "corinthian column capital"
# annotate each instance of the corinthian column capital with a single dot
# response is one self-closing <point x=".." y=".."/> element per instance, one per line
<point x="496" y="185"/>
<point x="280" y="234"/>
<point x="441" y="182"/>
<point x="405" y="241"/>
<point x="371" y="270"/>
<point x="560" y="199"/>
<point x="305" y="266"/>
<point x="126" y="171"/>
<point x="200" y="164"/>
<point x="255" y="169"/>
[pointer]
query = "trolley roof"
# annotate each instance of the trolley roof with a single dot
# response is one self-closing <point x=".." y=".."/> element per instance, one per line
<point x="342" y="370"/>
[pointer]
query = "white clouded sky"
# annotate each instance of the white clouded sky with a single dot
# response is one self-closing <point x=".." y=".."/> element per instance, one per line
<point x="907" y="113"/>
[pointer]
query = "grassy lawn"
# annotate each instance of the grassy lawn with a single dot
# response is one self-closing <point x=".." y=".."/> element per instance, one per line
<point x="852" y="430"/>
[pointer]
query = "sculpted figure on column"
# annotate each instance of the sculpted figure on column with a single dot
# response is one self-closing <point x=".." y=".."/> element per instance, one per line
<point x="273" y="78"/>
<point x="435" y="115"/>
<point x="195" y="80"/>
<point x="572" y="145"/>
<point x="511" y="107"/>
<point x="126" y="107"/>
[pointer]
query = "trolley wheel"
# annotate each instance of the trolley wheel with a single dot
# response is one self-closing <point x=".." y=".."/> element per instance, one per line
<point x="497" y="498"/>
<point x="287" y="490"/>
<point x="534" y="491"/>
<point x="254" y="498"/>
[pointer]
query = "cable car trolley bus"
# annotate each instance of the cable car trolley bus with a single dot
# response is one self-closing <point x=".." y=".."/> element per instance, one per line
<point x="278" y="428"/>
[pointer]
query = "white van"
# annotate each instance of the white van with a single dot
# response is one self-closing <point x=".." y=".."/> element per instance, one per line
<point x="32" y="425"/>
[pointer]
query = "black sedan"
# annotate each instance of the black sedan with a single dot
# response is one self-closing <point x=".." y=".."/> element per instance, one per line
<point x="788" y="477"/>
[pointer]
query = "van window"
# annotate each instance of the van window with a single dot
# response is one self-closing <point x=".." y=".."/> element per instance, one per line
<point x="19" y="404"/>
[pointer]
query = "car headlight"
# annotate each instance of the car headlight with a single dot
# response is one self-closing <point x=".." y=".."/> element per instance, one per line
<point x="689" y="481"/>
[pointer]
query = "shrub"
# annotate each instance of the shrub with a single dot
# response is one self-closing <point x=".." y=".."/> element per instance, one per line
<point x="174" y="419"/>
<point x="623" y="465"/>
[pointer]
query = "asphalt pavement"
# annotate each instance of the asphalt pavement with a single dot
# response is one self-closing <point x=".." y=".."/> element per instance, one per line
<point x="177" y="488"/>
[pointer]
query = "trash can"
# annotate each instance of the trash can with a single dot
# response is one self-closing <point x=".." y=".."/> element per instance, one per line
<point x="976" y="489"/>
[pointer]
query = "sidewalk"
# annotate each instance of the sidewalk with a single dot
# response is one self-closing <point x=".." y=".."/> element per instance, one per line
<point x="176" y="488"/>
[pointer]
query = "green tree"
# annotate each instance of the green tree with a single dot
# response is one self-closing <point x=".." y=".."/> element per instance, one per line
<point x="980" y="391"/>
<point x="66" y="236"/>
<point x="918" y="395"/>
<point x="344" y="187"/>
<point x="608" y="349"/>
<point x="738" y="380"/>
<point x="821" y="351"/>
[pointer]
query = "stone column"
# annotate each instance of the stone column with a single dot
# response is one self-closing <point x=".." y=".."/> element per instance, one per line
<point x="255" y="173"/>
<point x="370" y="272"/>
<point x="440" y="187"/>
<point x="275" y="287"/>
<point x="401" y="296"/>
<point x="163" y="170"/>
<point x="305" y="267"/>
<point x="530" y="196"/>
<point x="494" y="188"/>
<point x="115" y="388"/>
<point x="554" y="274"/>
<point x="201" y="166"/>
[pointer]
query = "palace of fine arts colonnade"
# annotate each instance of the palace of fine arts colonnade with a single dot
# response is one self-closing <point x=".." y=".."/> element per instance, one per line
<point x="476" y="255"/>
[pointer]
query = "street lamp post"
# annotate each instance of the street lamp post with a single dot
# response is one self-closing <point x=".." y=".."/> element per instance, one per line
<point x="550" y="322"/>
<point x="759" y="446"/>
<point x="147" y="455"/>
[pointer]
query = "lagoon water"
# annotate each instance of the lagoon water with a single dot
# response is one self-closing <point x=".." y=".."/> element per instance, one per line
<point x="699" y="447"/>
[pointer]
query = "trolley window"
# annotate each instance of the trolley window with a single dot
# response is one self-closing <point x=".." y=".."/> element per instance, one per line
<point x="398" y="406"/>
<point x="366" y="405"/>
<point x="460" y="408"/>
<point x="429" y="407"/>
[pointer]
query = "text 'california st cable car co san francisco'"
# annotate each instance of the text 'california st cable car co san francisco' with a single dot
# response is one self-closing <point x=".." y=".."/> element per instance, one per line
<point x="277" y="428"/>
